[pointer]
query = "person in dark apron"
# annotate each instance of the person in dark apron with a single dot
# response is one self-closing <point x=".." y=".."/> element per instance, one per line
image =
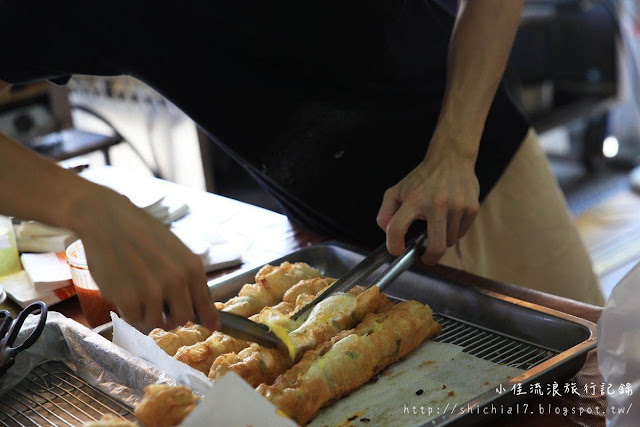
<point x="358" y="116"/>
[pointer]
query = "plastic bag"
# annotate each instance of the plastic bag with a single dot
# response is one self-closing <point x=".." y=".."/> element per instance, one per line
<point x="619" y="351"/>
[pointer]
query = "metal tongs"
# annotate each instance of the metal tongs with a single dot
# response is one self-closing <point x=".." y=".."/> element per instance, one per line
<point x="248" y="330"/>
<point x="367" y="266"/>
<point x="242" y="328"/>
<point x="245" y="329"/>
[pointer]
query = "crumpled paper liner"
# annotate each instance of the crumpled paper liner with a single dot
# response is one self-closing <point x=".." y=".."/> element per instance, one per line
<point x="92" y="357"/>
<point x="227" y="401"/>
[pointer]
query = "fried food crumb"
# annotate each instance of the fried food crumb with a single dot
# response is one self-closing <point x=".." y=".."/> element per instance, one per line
<point x="164" y="405"/>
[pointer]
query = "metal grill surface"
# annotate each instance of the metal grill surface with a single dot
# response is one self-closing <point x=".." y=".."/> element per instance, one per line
<point x="52" y="395"/>
<point x="491" y="346"/>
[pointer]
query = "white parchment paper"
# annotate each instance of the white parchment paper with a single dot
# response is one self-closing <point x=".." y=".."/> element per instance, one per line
<point x="230" y="401"/>
<point x="436" y="378"/>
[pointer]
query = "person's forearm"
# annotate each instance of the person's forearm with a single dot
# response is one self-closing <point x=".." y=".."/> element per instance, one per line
<point x="34" y="188"/>
<point x="478" y="52"/>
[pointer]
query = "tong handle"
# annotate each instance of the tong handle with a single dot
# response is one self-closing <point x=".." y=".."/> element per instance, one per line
<point x="5" y="323"/>
<point x="357" y="274"/>
<point x="370" y="264"/>
<point x="400" y="264"/>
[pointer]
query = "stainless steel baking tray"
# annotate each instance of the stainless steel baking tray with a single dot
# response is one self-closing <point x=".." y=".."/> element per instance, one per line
<point x="547" y="344"/>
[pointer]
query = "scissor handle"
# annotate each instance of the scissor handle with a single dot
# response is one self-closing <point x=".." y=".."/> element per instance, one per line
<point x="5" y="323"/>
<point x="17" y="324"/>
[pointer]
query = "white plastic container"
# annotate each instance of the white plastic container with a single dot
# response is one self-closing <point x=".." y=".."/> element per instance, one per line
<point x="619" y="351"/>
<point x="77" y="261"/>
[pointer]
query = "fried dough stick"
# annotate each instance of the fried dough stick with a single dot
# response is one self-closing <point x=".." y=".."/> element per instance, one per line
<point x="271" y="285"/>
<point x="335" y="314"/>
<point x="309" y="287"/>
<point x="350" y="359"/>
<point x="296" y="297"/>
<point x="259" y="365"/>
<point x="252" y="298"/>
<point x="255" y="364"/>
<point x="201" y="355"/>
<point x="171" y="341"/>
<point x="278" y="280"/>
<point x="164" y="405"/>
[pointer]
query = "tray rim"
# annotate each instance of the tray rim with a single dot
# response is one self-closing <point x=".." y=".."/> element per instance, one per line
<point x="590" y="326"/>
<point x="490" y="396"/>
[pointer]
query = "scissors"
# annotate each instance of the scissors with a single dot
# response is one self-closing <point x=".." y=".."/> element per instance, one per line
<point x="10" y="328"/>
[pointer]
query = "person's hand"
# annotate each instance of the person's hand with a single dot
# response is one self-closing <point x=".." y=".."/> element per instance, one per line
<point x="443" y="191"/>
<point x="139" y="265"/>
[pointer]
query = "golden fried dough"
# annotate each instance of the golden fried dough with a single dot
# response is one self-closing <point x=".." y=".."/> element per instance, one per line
<point x="335" y="314"/>
<point x="279" y="279"/>
<point x="350" y="359"/>
<point x="295" y="298"/>
<point x="164" y="405"/>
<point x="274" y="318"/>
<point x="201" y="355"/>
<point x="256" y="364"/>
<point x="308" y="286"/>
<point x="271" y="285"/>
<point x="250" y="300"/>
<point x="338" y="346"/>
<point x="385" y="305"/>
<point x="171" y="341"/>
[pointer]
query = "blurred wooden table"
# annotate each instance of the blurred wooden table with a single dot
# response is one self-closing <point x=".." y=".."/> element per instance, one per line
<point x="70" y="143"/>
<point x="266" y="235"/>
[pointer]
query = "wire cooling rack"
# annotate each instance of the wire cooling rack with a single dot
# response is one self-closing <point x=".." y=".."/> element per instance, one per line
<point x="490" y="345"/>
<point x="53" y="395"/>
